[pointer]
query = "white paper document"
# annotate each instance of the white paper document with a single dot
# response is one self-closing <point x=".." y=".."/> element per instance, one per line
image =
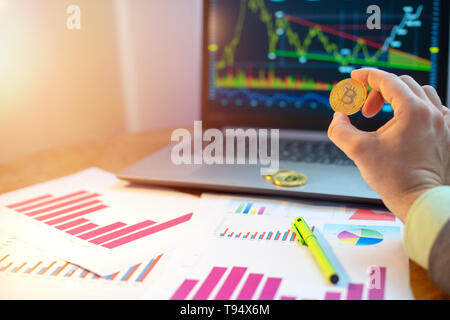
<point x="96" y="221"/>
<point x="250" y="252"/>
<point x="29" y="273"/>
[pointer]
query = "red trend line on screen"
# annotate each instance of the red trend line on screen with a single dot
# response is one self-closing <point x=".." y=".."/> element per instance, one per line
<point x="336" y="32"/>
<point x="345" y="35"/>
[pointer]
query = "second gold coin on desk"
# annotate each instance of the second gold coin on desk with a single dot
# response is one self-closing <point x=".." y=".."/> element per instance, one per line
<point x="289" y="178"/>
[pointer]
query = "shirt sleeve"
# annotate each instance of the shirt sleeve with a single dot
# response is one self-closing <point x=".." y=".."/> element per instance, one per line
<point x="426" y="218"/>
<point x="439" y="259"/>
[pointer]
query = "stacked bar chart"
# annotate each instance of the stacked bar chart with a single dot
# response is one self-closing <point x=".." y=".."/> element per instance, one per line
<point x="222" y="284"/>
<point x="249" y="208"/>
<point x="60" y="269"/>
<point x="69" y="213"/>
<point x="276" y="235"/>
<point x="231" y="280"/>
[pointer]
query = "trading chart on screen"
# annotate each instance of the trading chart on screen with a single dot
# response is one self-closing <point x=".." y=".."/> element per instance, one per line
<point x="285" y="56"/>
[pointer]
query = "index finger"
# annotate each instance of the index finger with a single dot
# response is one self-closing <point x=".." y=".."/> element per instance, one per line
<point x="392" y="89"/>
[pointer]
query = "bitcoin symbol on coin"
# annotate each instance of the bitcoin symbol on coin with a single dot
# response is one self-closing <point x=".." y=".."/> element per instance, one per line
<point x="286" y="178"/>
<point x="348" y="96"/>
<point x="289" y="178"/>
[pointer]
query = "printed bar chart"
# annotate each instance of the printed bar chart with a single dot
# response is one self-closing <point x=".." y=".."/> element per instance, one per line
<point x="71" y="224"/>
<point x="137" y="273"/>
<point x="208" y="285"/>
<point x="230" y="284"/>
<point x="281" y="236"/>
<point x="68" y="213"/>
<point x="148" y="231"/>
<point x="74" y="215"/>
<point x="250" y="285"/>
<point x="225" y="281"/>
<point x="227" y="289"/>
<point x="121" y="232"/>
<point x="42" y="204"/>
<point x="100" y="231"/>
<point x="249" y="208"/>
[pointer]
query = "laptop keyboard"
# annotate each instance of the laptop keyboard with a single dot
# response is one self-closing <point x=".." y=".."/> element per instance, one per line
<point x="313" y="152"/>
<point x="306" y="151"/>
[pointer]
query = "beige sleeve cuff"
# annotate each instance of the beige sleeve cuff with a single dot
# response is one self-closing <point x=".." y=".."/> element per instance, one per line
<point x="425" y="219"/>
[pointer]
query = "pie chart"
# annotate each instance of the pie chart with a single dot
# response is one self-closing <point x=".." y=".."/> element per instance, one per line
<point x="360" y="237"/>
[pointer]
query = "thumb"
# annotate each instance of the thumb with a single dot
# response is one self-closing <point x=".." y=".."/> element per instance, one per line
<point x="347" y="137"/>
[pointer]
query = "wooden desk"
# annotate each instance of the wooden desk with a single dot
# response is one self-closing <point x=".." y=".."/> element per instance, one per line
<point x="117" y="153"/>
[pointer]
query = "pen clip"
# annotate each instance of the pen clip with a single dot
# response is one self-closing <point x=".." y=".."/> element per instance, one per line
<point x="299" y="236"/>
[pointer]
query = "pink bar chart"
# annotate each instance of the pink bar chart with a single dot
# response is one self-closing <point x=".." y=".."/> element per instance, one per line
<point x="224" y="283"/>
<point x="375" y="289"/>
<point x="68" y="213"/>
<point x="231" y="279"/>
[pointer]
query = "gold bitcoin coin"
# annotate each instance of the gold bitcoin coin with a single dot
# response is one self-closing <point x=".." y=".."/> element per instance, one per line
<point x="348" y="96"/>
<point x="269" y="175"/>
<point x="289" y="178"/>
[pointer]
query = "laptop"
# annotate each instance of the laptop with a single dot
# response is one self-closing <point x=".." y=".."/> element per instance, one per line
<point x="271" y="64"/>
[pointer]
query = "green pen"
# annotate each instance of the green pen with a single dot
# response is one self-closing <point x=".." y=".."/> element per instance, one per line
<point x="307" y="238"/>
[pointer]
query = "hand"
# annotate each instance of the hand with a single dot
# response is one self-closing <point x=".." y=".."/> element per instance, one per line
<point x="407" y="156"/>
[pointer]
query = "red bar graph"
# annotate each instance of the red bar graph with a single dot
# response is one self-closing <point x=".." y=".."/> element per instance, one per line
<point x="64" y="213"/>
<point x="149" y="231"/>
<point x="75" y="215"/>
<point x="41" y="204"/>
<point x="66" y="210"/>
<point x="82" y="228"/>
<point x="19" y="204"/>
<point x="61" y="205"/>
<point x="71" y="224"/>
<point x="227" y="289"/>
<point x="100" y="231"/>
<point x="122" y="232"/>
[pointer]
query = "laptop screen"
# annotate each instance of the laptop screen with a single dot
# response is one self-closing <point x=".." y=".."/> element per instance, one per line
<point x="281" y="58"/>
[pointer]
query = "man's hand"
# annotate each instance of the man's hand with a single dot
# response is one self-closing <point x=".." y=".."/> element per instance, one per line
<point x="407" y="156"/>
